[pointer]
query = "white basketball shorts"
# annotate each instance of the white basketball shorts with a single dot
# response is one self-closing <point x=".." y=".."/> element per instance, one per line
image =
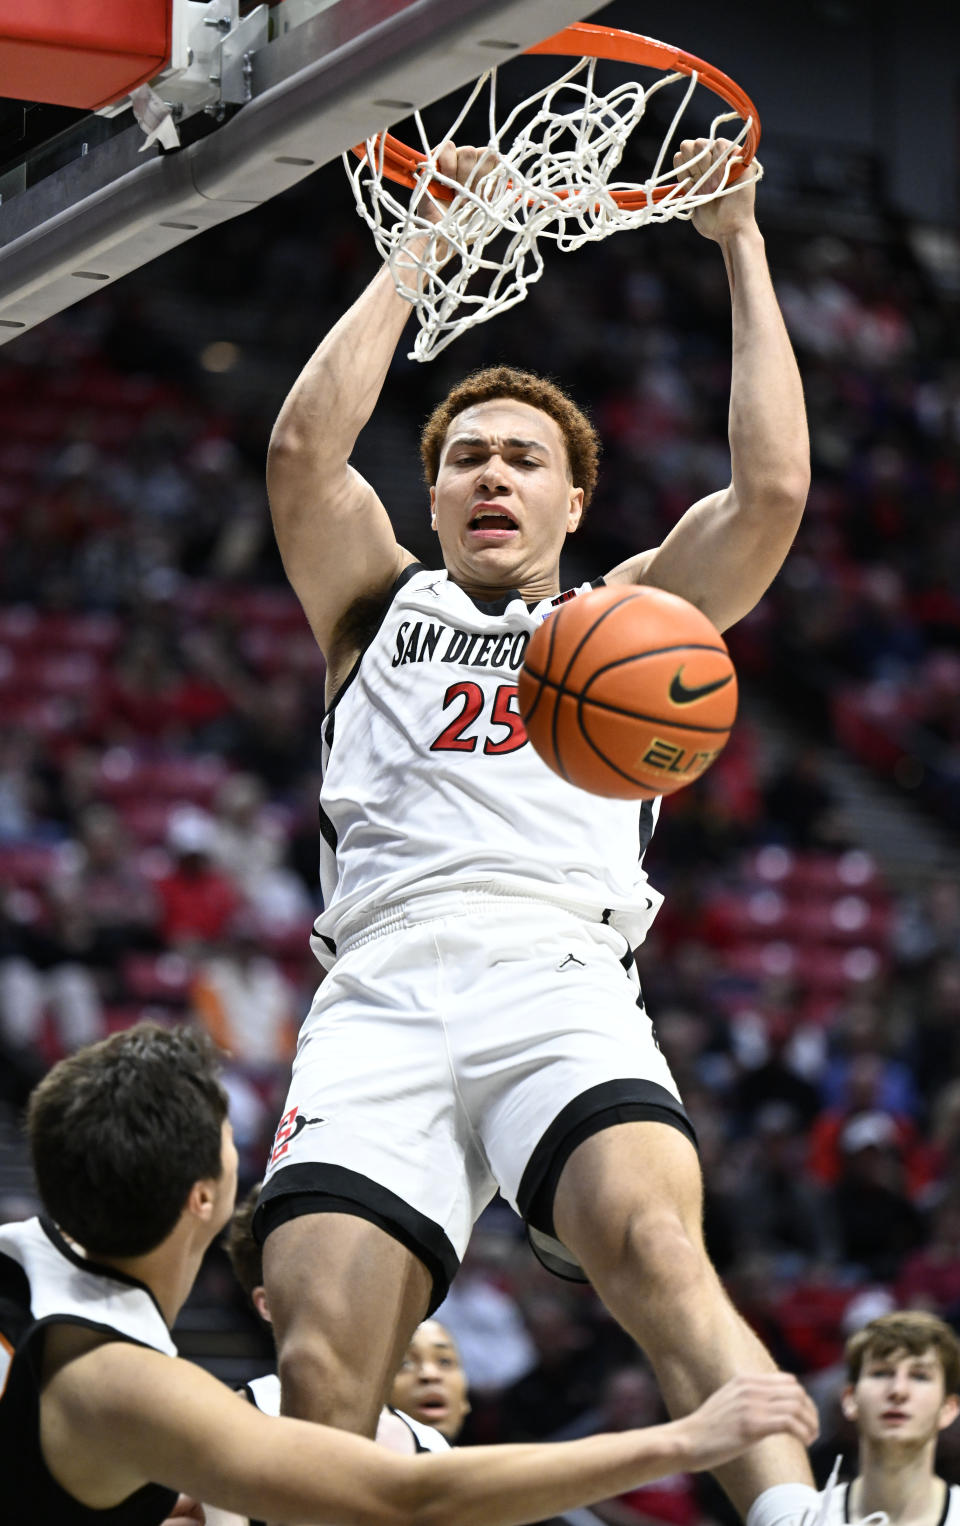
<point x="461" y="1043"/>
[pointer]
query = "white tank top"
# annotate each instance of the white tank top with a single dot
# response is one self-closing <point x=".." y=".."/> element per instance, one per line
<point x="429" y="782"/>
<point x="838" y="1507"/>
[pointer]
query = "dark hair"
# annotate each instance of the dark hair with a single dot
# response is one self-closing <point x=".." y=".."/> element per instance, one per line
<point x="580" y="437"/>
<point x="910" y="1330"/>
<point x="120" y="1131"/>
<point x="246" y="1256"/>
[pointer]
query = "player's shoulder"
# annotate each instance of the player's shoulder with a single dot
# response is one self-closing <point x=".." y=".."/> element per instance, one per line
<point x="263" y="1393"/>
<point x="427" y="1437"/>
<point x="834" y="1505"/>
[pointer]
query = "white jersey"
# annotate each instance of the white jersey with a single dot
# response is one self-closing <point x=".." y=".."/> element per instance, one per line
<point x="429" y="782"/>
<point x="265" y="1394"/>
<point x="838" y="1507"/>
<point x="66" y="1288"/>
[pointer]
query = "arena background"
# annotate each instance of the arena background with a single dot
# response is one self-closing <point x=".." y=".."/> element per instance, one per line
<point x="160" y="697"/>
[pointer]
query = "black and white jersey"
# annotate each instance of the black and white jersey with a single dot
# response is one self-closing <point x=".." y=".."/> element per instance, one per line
<point x="429" y="782"/>
<point x="265" y="1394"/>
<point x="838" y="1507"/>
<point x="44" y="1282"/>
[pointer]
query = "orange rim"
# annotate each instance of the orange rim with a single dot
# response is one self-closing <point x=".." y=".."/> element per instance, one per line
<point x="583" y="39"/>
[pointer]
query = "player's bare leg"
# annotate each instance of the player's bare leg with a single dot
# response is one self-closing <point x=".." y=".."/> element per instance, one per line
<point x="345" y="1298"/>
<point x="629" y="1207"/>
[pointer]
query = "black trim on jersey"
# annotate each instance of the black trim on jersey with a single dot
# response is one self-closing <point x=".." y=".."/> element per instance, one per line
<point x="496" y="606"/>
<point x="418" y="1445"/>
<point x="598" y="583"/>
<point x="646" y="826"/>
<point x="99" y="1269"/>
<point x="598" y="1108"/>
<point x="16" y="1315"/>
<point x="846" y="1503"/>
<point x="372" y="629"/>
<point x="318" y="1187"/>
<point x="327" y="829"/>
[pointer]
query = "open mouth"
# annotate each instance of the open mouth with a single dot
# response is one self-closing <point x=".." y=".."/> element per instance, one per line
<point x="488" y="519"/>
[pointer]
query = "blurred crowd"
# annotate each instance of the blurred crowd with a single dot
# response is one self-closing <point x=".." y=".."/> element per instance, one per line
<point x="161" y="697"/>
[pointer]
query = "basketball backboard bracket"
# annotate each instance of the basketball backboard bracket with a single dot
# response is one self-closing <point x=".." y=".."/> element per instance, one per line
<point x="345" y="73"/>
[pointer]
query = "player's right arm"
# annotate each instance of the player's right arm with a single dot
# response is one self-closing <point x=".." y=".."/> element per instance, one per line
<point x="124" y="1414"/>
<point x="334" y="534"/>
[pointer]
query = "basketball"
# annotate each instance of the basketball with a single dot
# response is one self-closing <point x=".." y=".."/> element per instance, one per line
<point x="628" y="692"/>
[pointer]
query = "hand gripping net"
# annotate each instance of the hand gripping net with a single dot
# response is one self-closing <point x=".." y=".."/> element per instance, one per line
<point x="549" y="173"/>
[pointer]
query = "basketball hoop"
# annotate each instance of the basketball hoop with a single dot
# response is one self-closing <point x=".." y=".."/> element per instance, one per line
<point x="548" y="174"/>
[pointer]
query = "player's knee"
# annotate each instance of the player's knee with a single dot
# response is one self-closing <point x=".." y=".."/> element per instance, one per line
<point x="317" y="1384"/>
<point x="657" y="1256"/>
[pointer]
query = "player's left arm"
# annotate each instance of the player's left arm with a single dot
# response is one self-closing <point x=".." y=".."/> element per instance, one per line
<point x="726" y="550"/>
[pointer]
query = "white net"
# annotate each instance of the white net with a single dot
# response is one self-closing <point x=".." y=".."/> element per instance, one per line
<point x="549" y="174"/>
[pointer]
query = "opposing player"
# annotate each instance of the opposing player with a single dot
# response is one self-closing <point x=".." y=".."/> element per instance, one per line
<point x="431" y="1385"/>
<point x="99" y="1418"/>
<point x="903" y="1389"/>
<point x="401" y="1432"/>
<point x="430" y="1372"/>
<point x="481" y="1023"/>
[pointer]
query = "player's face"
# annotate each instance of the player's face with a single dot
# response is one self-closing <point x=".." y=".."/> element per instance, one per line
<point x="431" y="1384"/>
<point x="503" y="503"/>
<point x="899" y="1401"/>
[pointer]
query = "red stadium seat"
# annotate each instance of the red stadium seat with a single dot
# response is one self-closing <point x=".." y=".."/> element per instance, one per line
<point x="157" y="977"/>
<point x="31" y="864"/>
<point x="124" y="775"/>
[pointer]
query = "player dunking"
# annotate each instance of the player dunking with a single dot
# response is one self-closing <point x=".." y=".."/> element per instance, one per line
<point x="480" y="1025"/>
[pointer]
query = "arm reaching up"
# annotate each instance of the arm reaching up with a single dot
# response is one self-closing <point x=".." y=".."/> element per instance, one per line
<point x="334" y="534"/>
<point x="726" y="550"/>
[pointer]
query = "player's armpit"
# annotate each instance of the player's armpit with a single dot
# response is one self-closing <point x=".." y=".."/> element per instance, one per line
<point x="335" y="539"/>
<point x="718" y="556"/>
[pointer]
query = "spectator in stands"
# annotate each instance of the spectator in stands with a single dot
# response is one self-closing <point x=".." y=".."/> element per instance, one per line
<point x="861" y="1071"/>
<point x="249" y="845"/>
<point x="779" y="1210"/>
<point x="484" y="1317"/>
<point x="197" y="901"/>
<point x="141" y="701"/>
<point x="877" y="1223"/>
<point x="118" y="897"/>
<point x="241" y="997"/>
<point x="930" y="1278"/>
<point x="928" y="925"/>
<point x="629" y="1397"/>
<point x="863" y="1091"/>
<point x="563" y="1382"/>
<point x="800" y="802"/>
<point x="51" y="972"/>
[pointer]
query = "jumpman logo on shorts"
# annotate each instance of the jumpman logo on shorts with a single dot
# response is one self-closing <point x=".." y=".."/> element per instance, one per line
<point x="571" y="959"/>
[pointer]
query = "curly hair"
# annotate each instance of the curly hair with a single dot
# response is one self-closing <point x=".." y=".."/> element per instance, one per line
<point x="580" y="437"/>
